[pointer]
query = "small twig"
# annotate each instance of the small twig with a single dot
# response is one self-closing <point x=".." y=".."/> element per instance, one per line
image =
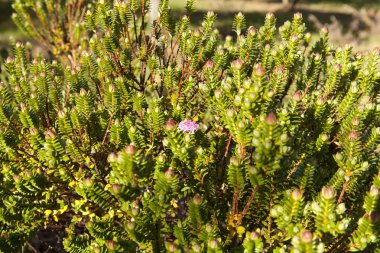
<point x="30" y="246"/>
<point x="295" y="167"/>
<point x="343" y="191"/>
<point x="246" y="207"/>
<point x="107" y="130"/>
<point x="335" y="138"/>
<point x="228" y="145"/>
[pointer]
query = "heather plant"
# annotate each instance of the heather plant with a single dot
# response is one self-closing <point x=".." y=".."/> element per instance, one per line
<point x="141" y="135"/>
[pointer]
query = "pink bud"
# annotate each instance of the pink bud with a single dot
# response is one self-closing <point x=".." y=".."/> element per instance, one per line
<point x="237" y="64"/>
<point x="296" y="194"/>
<point x="271" y="119"/>
<point x="130" y="149"/>
<point x="197" y="199"/>
<point x="258" y="70"/>
<point x="307" y="237"/>
<point x="297" y="96"/>
<point x="328" y="192"/>
<point x="170" y="124"/>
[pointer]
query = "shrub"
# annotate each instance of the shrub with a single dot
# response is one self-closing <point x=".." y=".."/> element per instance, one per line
<point x="151" y="136"/>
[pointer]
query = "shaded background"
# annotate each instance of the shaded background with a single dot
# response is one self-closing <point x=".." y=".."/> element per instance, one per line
<point x="355" y="22"/>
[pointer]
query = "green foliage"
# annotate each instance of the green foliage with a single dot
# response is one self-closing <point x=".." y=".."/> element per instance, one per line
<point x="142" y="136"/>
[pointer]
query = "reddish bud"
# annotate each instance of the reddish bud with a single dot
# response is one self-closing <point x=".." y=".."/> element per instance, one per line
<point x="16" y="178"/>
<point x="197" y="199"/>
<point x="353" y="135"/>
<point x="237" y="64"/>
<point x="116" y="188"/>
<point x="328" y="192"/>
<point x="112" y="157"/>
<point x="172" y="247"/>
<point x="197" y="32"/>
<point x="253" y="236"/>
<point x="131" y="225"/>
<point x="258" y="70"/>
<point x="252" y="30"/>
<point x="169" y="173"/>
<point x="296" y="194"/>
<point x="111" y="244"/>
<point x="130" y="149"/>
<point x="374" y="191"/>
<point x="170" y="124"/>
<point x="297" y="15"/>
<point x="50" y="134"/>
<point x="209" y="64"/>
<point x="9" y="60"/>
<point x="33" y="131"/>
<point x="213" y="244"/>
<point x="234" y="161"/>
<point x="297" y="96"/>
<point x="271" y="119"/>
<point x="307" y="237"/>
<point x="337" y="67"/>
<point x="88" y="182"/>
<point x="269" y="16"/>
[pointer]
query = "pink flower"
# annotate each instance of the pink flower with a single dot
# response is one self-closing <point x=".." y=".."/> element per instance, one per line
<point x="188" y="126"/>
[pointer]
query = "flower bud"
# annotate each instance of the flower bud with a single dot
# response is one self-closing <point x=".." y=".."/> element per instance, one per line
<point x="169" y="173"/>
<point x="294" y="38"/>
<point x="131" y="225"/>
<point x="297" y="96"/>
<point x="297" y="16"/>
<point x="111" y="244"/>
<point x="88" y="181"/>
<point x="197" y="199"/>
<point x="324" y="30"/>
<point x="172" y="247"/>
<point x="209" y="65"/>
<point x="325" y="137"/>
<point x="213" y="244"/>
<point x="353" y="135"/>
<point x="237" y="64"/>
<point x="252" y="31"/>
<point x="374" y="191"/>
<point x="197" y="32"/>
<point x="111" y="88"/>
<point x="296" y="194"/>
<point x="135" y="211"/>
<point x="116" y="188"/>
<point x="234" y="161"/>
<point x="9" y="60"/>
<point x="253" y="236"/>
<point x="50" y="134"/>
<point x="271" y="119"/>
<point x="337" y="67"/>
<point x="16" y="178"/>
<point x="258" y="70"/>
<point x="218" y="93"/>
<point x="112" y="157"/>
<point x="328" y="192"/>
<point x="33" y="131"/>
<point x="269" y="16"/>
<point x="82" y="92"/>
<point x="130" y="149"/>
<point x="170" y="124"/>
<point x="196" y="248"/>
<point x="307" y="237"/>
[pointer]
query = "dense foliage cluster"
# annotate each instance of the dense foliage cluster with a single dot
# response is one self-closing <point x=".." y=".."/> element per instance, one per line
<point x="146" y="135"/>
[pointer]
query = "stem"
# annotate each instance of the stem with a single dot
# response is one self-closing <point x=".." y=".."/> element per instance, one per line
<point x="343" y="191"/>
<point x="246" y="207"/>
